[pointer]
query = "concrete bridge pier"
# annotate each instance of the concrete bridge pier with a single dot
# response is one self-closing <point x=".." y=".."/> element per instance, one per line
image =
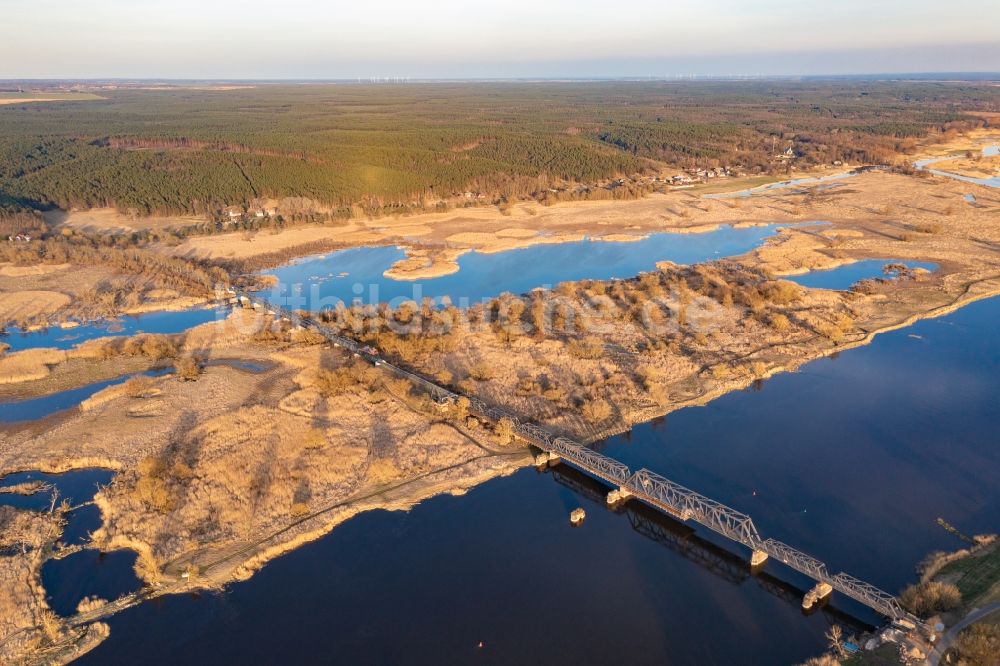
<point x="816" y="595"/>
<point x="757" y="559"/>
<point x="546" y="458"/>
<point x="619" y="496"/>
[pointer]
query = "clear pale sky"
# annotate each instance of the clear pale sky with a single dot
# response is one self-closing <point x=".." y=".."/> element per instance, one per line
<point x="512" y="38"/>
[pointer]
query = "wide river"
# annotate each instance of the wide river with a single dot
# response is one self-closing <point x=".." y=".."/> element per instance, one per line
<point x="852" y="460"/>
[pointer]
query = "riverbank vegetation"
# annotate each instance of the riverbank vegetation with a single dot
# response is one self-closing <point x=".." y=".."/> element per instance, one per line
<point x="81" y="276"/>
<point x="26" y="621"/>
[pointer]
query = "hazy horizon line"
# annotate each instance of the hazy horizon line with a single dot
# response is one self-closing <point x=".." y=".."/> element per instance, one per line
<point x="985" y="75"/>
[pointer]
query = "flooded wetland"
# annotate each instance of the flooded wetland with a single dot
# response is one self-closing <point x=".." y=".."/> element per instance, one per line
<point x="600" y="386"/>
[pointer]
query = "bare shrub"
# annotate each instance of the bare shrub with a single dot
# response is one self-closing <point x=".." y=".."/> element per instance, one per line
<point x="504" y="431"/>
<point x="146" y="567"/>
<point x="527" y="387"/>
<point x="822" y="660"/>
<point x="836" y="330"/>
<point x="88" y="604"/>
<point x="587" y="348"/>
<point x="481" y="372"/>
<point x="979" y="644"/>
<point x="152" y="487"/>
<point x="782" y="292"/>
<point x="652" y="381"/>
<point x="460" y="409"/>
<point x="779" y="322"/>
<point x="349" y="377"/>
<point x="925" y="599"/>
<point x="187" y="368"/>
<point x="867" y="287"/>
<point x="158" y="347"/>
<point x="269" y="337"/>
<point x="596" y="411"/>
<point x="136" y="387"/>
<point x="554" y="393"/>
<point x="108" y="350"/>
<point x="751" y="298"/>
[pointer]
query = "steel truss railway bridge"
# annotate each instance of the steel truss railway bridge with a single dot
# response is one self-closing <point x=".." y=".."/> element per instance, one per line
<point x="644" y="485"/>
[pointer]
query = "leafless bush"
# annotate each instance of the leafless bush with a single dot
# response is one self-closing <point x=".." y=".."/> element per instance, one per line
<point x="350" y="377"/>
<point x="188" y="368"/>
<point x="750" y="297"/>
<point x="836" y="330"/>
<point x="270" y="337"/>
<point x="931" y="597"/>
<point x="867" y="287"/>
<point x="136" y="387"/>
<point x="779" y="322"/>
<point x="596" y="411"/>
<point x="152" y="486"/>
<point x="979" y="645"/>
<point x="782" y="292"/>
<point x="587" y="348"/>
<point x="504" y="431"/>
<point x="528" y="387"/>
<point x="481" y="372"/>
<point x="88" y="604"/>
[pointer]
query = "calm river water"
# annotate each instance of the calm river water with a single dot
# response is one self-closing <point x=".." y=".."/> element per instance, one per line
<point x="987" y="151"/>
<point x="851" y="459"/>
<point x="347" y="275"/>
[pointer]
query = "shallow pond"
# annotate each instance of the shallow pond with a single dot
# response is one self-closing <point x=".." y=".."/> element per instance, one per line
<point x="842" y="277"/>
<point x="88" y="573"/>
<point x="253" y="367"/>
<point x="78" y="486"/>
<point x="167" y="322"/>
<point x="37" y="408"/>
<point x="321" y="282"/>
<point x="852" y="460"/>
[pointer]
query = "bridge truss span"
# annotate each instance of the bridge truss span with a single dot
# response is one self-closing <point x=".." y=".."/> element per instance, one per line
<point x="869" y="595"/>
<point x="690" y="505"/>
<point x="796" y="559"/>
<point x="591" y="461"/>
<point x="655" y="490"/>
